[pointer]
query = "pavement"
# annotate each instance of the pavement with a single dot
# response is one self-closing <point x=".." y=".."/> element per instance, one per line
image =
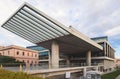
<point x="118" y="77"/>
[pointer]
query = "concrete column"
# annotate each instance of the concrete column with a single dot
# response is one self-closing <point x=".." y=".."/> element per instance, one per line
<point x="49" y="62"/>
<point x="97" y="68"/>
<point x="105" y="49"/>
<point x="68" y="62"/>
<point x="88" y="57"/>
<point x="111" y="52"/>
<point x="55" y="54"/>
<point x="108" y="51"/>
<point x="84" y="73"/>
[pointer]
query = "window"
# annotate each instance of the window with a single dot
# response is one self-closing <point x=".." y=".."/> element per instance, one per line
<point x="32" y="54"/>
<point x="8" y="52"/>
<point x="27" y="54"/>
<point x="23" y="53"/>
<point x="17" y="52"/>
<point x="35" y="55"/>
<point x="3" y="53"/>
<point x="27" y="61"/>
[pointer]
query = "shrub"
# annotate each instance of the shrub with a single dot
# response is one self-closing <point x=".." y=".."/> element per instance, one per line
<point x="111" y="75"/>
<point x="4" y="74"/>
<point x="9" y="61"/>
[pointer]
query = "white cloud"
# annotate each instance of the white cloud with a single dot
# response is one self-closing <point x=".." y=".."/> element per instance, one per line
<point x="114" y="31"/>
<point x="7" y="7"/>
<point x="91" y="17"/>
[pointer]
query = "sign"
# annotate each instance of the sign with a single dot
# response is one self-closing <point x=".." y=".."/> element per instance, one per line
<point x="67" y="75"/>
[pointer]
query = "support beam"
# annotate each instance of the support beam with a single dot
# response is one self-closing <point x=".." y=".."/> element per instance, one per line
<point x="88" y="55"/>
<point x="55" y="54"/>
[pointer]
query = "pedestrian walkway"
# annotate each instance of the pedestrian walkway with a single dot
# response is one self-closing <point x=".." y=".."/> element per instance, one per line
<point x="118" y="77"/>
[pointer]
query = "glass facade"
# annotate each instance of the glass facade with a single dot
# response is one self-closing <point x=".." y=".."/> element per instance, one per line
<point x="43" y="52"/>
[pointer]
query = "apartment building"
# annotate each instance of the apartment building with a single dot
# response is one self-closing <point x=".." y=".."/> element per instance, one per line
<point x="20" y="53"/>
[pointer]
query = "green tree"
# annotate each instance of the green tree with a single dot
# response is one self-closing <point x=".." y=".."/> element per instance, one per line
<point x="9" y="61"/>
<point x="6" y="59"/>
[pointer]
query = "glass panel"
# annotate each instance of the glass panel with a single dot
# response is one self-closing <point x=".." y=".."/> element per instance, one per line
<point x="38" y="48"/>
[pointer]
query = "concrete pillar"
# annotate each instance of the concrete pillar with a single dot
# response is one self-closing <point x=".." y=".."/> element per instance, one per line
<point x="107" y="49"/>
<point x="55" y="54"/>
<point x="68" y="62"/>
<point x="110" y="51"/>
<point x="84" y="73"/>
<point x="105" y="54"/>
<point x="97" y="68"/>
<point x="49" y="62"/>
<point x="88" y="57"/>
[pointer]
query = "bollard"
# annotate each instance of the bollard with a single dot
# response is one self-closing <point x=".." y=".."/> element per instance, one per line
<point x="1" y="66"/>
<point x="21" y="68"/>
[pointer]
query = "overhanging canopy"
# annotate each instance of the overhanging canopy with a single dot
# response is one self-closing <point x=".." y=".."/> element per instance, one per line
<point x="38" y="28"/>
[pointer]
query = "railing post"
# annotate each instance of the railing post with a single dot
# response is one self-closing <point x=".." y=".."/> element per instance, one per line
<point x="21" y="68"/>
<point x="1" y="66"/>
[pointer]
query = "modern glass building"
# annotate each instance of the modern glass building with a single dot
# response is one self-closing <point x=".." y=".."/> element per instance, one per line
<point x="66" y="46"/>
<point x="104" y="57"/>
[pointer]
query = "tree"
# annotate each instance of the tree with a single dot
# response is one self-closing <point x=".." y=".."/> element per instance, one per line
<point x="9" y="61"/>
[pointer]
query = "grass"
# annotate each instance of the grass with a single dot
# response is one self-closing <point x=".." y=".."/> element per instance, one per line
<point x="111" y="75"/>
<point x="4" y="74"/>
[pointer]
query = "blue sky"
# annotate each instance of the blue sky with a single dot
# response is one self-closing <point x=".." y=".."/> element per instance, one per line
<point x="93" y="18"/>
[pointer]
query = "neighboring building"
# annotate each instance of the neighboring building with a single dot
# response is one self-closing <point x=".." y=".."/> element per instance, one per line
<point x="20" y="53"/>
<point x="43" y="55"/>
<point x="1" y="47"/>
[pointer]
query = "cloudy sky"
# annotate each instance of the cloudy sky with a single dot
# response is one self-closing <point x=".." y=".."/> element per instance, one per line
<point x="93" y="18"/>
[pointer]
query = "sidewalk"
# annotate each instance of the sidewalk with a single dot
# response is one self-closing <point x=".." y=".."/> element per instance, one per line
<point x="118" y="77"/>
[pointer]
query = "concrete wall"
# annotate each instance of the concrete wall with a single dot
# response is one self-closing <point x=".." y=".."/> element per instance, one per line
<point x="108" y="63"/>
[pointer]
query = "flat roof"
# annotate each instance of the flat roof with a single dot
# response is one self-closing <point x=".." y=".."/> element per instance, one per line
<point x="17" y="47"/>
<point x="38" y="28"/>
